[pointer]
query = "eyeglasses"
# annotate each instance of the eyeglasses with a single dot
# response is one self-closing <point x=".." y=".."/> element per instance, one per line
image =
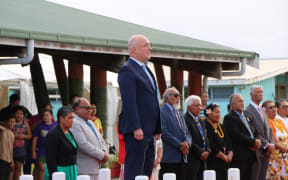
<point x="284" y="107"/>
<point x="271" y="107"/>
<point x="176" y="95"/>
<point x="86" y="107"/>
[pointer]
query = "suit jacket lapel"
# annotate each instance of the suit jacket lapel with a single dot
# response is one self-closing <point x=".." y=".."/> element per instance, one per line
<point x="264" y="124"/>
<point x="194" y="125"/>
<point x="154" y="81"/>
<point x="173" y="117"/>
<point x="143" y="73"/>
<point x="255" y="111"/>
<point x="237" y="116"/>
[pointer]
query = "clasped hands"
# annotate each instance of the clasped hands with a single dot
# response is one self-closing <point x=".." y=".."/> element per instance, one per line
<point x="257" y="145"/>
<point x="184" y="148"/>
<point x="105" y="158"/>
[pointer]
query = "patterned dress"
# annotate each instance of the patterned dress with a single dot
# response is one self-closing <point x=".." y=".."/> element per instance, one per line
<point x="278" y="165"/>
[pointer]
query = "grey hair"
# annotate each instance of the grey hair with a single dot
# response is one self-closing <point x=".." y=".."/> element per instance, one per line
<point x="232" y="98"/>
<point x="252" y="89"/>
<point x="63" y="111"/>
<point x="278" y="103"/>
<point x="76" y="103"/>
<point x="190" y="100"/>
<point x="167" y="92"/>
<point x="132" y="40"/>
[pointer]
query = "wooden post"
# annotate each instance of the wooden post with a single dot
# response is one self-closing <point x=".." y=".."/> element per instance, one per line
<point x="177" y="81"/>
<point x="39" y="85"/>
<point x="98" y="95"/>
<point x="62" y="79"/>
<point x="162" y="85"/>
<point x="194" y="84"/>
<point x="75" y="78"/>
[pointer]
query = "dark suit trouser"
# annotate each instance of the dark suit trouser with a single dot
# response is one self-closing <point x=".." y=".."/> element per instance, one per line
<point x="195" y="168"/>
<point x="260" y="167"/>
<point x="140" y="156"/>
<point x="4" y="170"/>
<point x="178" y="168"/>
<point x="245" y="166"/>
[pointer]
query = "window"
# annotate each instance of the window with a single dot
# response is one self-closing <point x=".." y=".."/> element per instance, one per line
<point x="220" y="92"/>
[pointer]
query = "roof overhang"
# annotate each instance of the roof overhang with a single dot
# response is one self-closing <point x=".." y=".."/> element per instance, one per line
<point x="112" y="58"/>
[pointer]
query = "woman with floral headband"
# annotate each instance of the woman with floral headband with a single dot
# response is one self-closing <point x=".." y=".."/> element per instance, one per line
<point x="221" y="149"/>
<point x="278" y="165"/>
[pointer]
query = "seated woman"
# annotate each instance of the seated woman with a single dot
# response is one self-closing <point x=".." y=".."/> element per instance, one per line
<point x="61" y="147"/>
<point x="278" y="164"/>
<point x="221" y="149"/>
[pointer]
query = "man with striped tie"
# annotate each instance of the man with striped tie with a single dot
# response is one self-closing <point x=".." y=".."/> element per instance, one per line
<point x="175" y="137"/>
<point x="199" y="150"/>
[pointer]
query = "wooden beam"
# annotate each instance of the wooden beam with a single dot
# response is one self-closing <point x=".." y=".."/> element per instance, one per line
<point x="98" y="95"/>
<point x="62" y="79"/>
<point x="177" y="80"/>
<point x="194" y="83"/>
<point x="39" y="85"/>
<point x="162" y="85"/>
<point x="75" y="78"/>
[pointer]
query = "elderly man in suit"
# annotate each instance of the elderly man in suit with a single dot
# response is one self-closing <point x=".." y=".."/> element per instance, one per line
<point x="244" y="137"/>
<point x="260" y="121"/>
<point x="92" y="150"/>
<point x="139" y="121"/>
<point x="175" y="136"/>
<point x="199" y="150"/>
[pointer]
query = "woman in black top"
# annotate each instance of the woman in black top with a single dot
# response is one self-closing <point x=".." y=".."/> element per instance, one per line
<point x="221" y="150"/>
<point x="61" y="148"/>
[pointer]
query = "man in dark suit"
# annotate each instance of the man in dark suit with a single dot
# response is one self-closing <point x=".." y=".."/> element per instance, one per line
<point x="261" y="123"/>
<point x="244" y="137"/>
<point x="139" y="120"/>
<point x="174" y="136"/>
<point x="199" y="150"/>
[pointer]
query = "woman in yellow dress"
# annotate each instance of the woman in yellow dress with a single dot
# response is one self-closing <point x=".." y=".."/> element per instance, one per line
<point x="278" y="168"/>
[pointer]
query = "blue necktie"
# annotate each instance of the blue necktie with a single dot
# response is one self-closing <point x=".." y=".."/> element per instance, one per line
<point x="149" y="75"/>
<point x="243" y="119"/>
<point x="90" y="126"/>
<point x="201" y="132"/>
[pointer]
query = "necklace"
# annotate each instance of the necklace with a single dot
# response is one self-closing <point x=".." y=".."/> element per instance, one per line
<point x="220" y="133"/>
<point x="277" y="125"/>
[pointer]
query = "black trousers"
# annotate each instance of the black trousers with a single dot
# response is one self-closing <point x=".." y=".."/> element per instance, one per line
<point x="4" y="170"/>
<point x="245" y="167"/>
<point x="195" y="168"/>
<point x="178" y="168"/>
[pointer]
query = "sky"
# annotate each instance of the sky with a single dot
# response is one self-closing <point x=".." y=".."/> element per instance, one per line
<point x="252" y="25"/>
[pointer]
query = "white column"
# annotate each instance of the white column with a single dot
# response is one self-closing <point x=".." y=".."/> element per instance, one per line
<point x="209" y="175"/>
<point x="58" y="176"/>
<point x="234" y="174"/>
<point x="169" y="176"/>
<point x="26" y="177"/>
<point x="104" y="174"/>
<point x="141" y="178"/>
<point x="84" y="177"/>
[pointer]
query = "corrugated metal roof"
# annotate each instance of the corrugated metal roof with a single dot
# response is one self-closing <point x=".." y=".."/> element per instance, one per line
<point x="267" y="69"/>
<point x="42" y="20"/>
